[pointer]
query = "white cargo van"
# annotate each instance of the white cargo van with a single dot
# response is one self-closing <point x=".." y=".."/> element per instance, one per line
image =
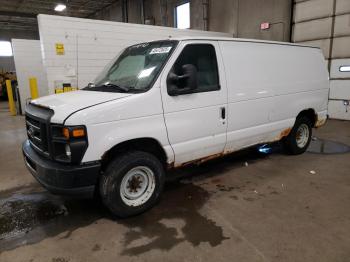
<point x="165" y="104"/>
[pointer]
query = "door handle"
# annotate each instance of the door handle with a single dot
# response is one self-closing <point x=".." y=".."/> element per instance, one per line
<point x="223" y="112"/>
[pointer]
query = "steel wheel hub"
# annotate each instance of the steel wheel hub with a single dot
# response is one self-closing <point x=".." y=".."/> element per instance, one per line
<point x="302" y="135"/>
<point x="137" y="186"/>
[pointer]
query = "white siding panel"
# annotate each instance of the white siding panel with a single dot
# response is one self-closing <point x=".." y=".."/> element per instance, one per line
<point x="340" y="89"/>
<point x="324" y="44"/>
<point x="337" y="110"/>
<point x="342" y="25"/>
<point x="28" y="63"/>
<point x="312" y="9"/>
<point x="343" y="6"/>
<point x="312" y="30"/>
<point x="341" y="47"/>
<point x="90" y="44"/>
<point x="336" y="64"/>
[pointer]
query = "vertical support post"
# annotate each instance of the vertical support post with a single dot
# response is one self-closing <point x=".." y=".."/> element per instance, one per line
<point x="10" y="98"/>
<point x="33" y="85"/>
<point x="330" y="55"/>
<point x="142" y="9"/>
<point x="125" y="11"/>
<point x="205" y="4"/>
<point x="291" y="25"/>
<point x="163" y="9"/>
<point x="237" y="21"/>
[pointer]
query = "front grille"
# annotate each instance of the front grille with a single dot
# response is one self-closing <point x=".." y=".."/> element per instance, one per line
<point x="37" y="123"/>
<point x="37" y="135"/>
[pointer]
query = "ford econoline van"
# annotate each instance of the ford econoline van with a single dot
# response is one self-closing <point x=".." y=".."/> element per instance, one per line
<point x="165" y="104"/>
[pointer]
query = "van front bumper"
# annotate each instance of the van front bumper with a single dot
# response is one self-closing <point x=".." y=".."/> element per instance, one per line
<point x="59" y="178"/>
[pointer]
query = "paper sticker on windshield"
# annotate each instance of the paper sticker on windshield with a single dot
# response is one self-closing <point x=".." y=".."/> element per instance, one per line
<point x="160" y="50"/>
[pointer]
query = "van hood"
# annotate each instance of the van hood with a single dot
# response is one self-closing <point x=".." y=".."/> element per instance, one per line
<point x="68" y="103"/>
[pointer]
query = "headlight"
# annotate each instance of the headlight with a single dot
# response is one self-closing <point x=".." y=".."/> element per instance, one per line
<point x="69" y="143"/>
<point x="68" y="152"/>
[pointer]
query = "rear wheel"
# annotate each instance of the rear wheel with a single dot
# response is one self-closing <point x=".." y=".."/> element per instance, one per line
<point x="132" y="183"/>
<point x="299" y="138"/>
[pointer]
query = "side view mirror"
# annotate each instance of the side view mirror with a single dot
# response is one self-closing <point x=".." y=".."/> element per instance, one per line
<point x="183" y="84"/>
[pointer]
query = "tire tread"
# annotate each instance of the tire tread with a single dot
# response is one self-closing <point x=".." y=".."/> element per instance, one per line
<point x="115" y="171"/>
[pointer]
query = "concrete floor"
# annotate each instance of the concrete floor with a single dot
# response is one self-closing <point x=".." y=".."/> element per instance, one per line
<point x="245" y="207"/>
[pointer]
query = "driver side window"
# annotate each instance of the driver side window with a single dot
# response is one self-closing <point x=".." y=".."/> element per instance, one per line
<point x="203" y="58"/>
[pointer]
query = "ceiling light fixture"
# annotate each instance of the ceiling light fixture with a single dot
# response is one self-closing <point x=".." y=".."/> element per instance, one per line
<point x="60" y="7"/>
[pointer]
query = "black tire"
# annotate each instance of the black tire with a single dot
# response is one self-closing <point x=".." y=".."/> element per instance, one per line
<point x="111" y="182"/>
<point x="290" y="142"/>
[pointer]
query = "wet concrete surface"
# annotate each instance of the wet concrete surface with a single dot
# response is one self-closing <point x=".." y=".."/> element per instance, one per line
<point x="29" y="217"/>
<point x="25" y="210"/>
<point x="323" y="146"/>
<point x="247" y="206"/>
<point x="12" y="133"/>
<point x="183" y="201"/>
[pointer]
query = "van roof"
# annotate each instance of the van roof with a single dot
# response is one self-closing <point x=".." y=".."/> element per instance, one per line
<point x="184" y="38"/>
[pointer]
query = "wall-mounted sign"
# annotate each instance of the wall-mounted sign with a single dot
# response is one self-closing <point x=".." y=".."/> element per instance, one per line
<point x="59" y="49"/>
<point x="264" y="26"/>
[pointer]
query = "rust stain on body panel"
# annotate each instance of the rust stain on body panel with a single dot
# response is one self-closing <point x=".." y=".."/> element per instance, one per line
<point x="199" y="161"/>
<point x="320" y="122"/>
<point x="284" y="133"/>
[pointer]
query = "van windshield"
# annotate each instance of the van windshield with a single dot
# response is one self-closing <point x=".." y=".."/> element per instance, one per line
<point x="135" y="69"/>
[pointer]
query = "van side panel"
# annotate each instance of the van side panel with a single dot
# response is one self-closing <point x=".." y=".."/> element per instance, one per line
<point x="268" y="86"/>
<point x="306" y="83"/>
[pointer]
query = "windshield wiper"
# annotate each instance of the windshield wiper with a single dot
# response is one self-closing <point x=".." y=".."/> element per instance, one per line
<point x="105" y="87"/>
<point x="121" y="88"/>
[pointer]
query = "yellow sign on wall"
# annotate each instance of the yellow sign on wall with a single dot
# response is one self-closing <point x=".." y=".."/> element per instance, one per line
<point x="59" y="49"/>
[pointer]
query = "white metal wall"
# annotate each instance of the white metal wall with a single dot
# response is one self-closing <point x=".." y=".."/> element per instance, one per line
<point x="90" y="44"/>
<point x="28" y="63"/>
<point x="326" y="24"/>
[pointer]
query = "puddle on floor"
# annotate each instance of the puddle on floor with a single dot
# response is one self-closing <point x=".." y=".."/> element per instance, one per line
<point x="27" y="218"/>
<point x="20" y="213"/>
<point x="322" y="146"/>
<point x="175" y="219"/>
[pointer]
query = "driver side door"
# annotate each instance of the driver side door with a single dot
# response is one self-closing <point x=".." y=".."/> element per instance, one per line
<point x="197" y="121"/>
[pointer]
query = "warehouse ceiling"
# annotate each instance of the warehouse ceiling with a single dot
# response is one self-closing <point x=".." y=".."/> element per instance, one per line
<point x="21" y="14"/>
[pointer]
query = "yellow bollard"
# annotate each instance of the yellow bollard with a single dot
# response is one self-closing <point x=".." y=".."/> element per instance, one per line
<point x="33" y="85"/>
<point x="10" y="98"/>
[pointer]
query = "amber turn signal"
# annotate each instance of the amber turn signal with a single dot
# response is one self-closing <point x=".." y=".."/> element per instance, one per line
<point x="75" y="132"/>
<point x="65" y="132"/>
<point x="79" y="132"/>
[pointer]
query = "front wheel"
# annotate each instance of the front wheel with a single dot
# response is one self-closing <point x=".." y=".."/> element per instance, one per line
<point x="132" y="183"/>
<point x="299" y="138"/>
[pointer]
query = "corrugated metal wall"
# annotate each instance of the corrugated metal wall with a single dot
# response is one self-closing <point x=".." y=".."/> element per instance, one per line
<point x="326" y="24"/>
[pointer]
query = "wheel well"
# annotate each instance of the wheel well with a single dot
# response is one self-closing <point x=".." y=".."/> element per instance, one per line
<point x="309" y="113"/>
<point x="149" y="145"/>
